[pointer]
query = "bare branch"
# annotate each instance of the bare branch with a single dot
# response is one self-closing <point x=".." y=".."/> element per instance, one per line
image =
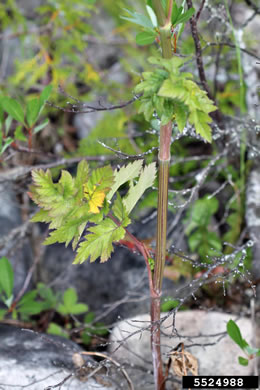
<point x="130" y="383"/>
<point x="233" y="47"/>
<point x="84" y="108"/>
<point x="200" y="10"/>
<point x="253" y="6"/>
<point x="199" y="60"/>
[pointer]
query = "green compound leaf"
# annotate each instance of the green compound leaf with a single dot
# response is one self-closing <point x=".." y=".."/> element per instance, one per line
<point x="70" y="303"/>
<point x="181" y="115"/>
<point x="235" y="334"/>
<point x="82" y="173"/>
<point x="71" y="230"/>
<point x="199" y="119"/>
<point x="135" y="192"/>
<point x="101" y="179"/>
<point x="173" y="95"/>
<point x="70" y="204"/>
<point x="125" y="174"/>
<point x="13" y="108"/>
<point x="173" y="90"/>
<point x="99" y="242"/>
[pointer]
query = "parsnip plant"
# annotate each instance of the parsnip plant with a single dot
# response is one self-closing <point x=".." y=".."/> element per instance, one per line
<point x="88" y="210"/>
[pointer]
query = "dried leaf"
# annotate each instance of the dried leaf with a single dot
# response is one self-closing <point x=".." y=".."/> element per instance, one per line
<point x="181" y="366"/>
<point x="78" y="360"/>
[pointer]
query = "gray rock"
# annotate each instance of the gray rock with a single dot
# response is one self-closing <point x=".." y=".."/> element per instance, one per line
<point x="84" y="123"/>
<point x="18" y="252"/>
<point x="203" y="336"/>
<point x="118" y="287"/>
<point x="37" y="361"/>
<point x="102" y="286"/>
<point x="99" y="53"/>
<point x="27" y="7"/>
<point x="253" y="219"/>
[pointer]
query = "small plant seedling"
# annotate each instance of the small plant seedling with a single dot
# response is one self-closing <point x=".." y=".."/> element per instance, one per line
<point x="27" y="118"/>
<point x="42" y="299"/>
<point x="235" y="334"/>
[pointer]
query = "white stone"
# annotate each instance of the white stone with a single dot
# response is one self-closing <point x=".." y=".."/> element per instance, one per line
<point x="217" y="354"/>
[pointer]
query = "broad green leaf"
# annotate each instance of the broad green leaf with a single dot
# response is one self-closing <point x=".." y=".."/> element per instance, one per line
<point x="235" y="334"/>
<point x="27" y="297"/>
<point x="88" y="318"/>
<point x="19" y="134"/>
<point x="243" y="361"/>
<point x="152" y="15"/>
<point x="46" y="293"/>
<point x="125" y="173"/>
<point x="41" y="126"/>
<point x="44" y="96"/>
<point x="201" y="212"/>
<point x="86" y="337"/>
<point x="32" y="111"/>
<point x="70" y="297"/>
<point x="8" y="301"/>
<point x="6" y="277"/>
<point x="28" y="304"/>
<point x="8" y="123"/>
<point x="145" y="37"/>
<point x="57" y="330"/>
<point x="169" y="304"/>
<point x="99" y="242"/>
<point x="213" y="241"/>
<point x="1" y="113"/>
<point x="175" y="12"/>
<point x="195" y="239"/>
<point x="13" y="108"/>
<point x="183" y="18"/>
<point x="139" y="19"/>
<point x="31" y="308"/>
<point x="7" y="142"/>
<point x="79" y="308"/>
<point x="135" y="192"/>
<point x="70" y="305"/>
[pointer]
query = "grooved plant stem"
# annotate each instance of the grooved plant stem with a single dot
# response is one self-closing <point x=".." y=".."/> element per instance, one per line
<point x="164" y="156"/>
